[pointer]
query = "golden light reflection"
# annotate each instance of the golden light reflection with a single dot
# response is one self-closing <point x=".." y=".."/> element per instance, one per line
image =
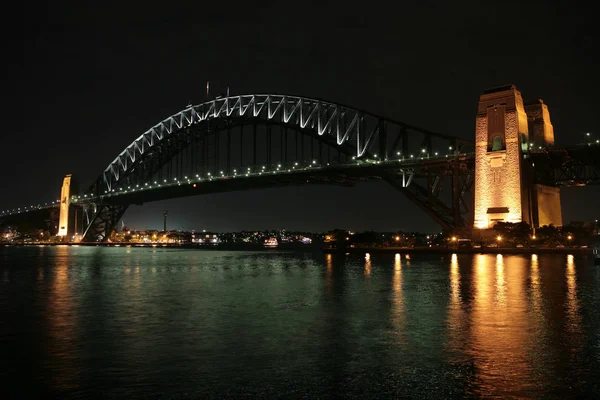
<point x="500" y="336"/>
<point x="329" y="273"/>
<point x="367" y="264"/>
<point x="397" y="279"/>
<point x="536" y="292"/>
<point x="457" y="322"/>
<point x="572" y="306"/>
<point x="398" y="307"/>
<point x="62" y="320"/>
<point x="454" y="281"/>
<point x="500" y="281"/>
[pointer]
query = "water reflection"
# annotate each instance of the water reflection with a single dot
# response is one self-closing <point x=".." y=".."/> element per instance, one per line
<point x="454" y="281"/>
<point x="329" y="273"/>
<point x="535" y="287"/>
<point x="500" y="339"/>
<point x="572" y="303"/>
<point x="500" y="282"/>
<point x="457" y="323"/>
<point x="210" y="323"/>
<point x="398" y="306"/>
<point x="62" y="325"/>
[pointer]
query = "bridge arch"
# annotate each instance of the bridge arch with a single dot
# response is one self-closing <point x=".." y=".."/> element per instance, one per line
<point x="354" y="132"/>
<point x="353" y="136"/>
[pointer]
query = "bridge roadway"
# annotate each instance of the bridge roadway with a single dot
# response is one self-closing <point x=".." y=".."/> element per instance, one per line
<point x="575" y="166"/>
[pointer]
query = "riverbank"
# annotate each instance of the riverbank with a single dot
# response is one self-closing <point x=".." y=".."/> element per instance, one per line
<point x="444" y="250"/>
<point x="326" y="250"/>
<point x="218" y="246"/>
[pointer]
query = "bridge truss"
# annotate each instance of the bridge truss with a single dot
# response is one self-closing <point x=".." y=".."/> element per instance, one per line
<point x="289" y="139"/>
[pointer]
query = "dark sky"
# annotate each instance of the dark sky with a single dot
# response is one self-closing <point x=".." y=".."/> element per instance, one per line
<point x="85" y="81"/>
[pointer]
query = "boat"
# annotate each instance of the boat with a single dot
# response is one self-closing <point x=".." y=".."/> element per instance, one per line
<point x="271" y="242"/>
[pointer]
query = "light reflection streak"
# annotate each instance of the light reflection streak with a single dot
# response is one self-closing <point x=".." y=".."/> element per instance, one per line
<point x="500" y="281"/>
<point x="398" y="306"/>
<point x="536" y="292"/>
<point x="329" y="273"/>
<point x="457" y="322"/>
<point x="501" y="340"/>
<point x="572" y="307"/>
<point x="454" y="280"/>
<point x="62" y="320"/>
<point x="367" y="265"/>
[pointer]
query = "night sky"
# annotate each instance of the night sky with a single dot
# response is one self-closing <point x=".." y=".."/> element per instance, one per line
<point x="86" y="81"/>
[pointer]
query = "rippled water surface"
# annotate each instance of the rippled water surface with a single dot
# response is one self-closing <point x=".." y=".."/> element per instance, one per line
<point x="160" y="323"/>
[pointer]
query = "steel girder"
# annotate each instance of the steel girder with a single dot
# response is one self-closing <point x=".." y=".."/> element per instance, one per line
<point x="578" y="166"/>
<point x="428" y="195"/>
<point x="103" y="221"/>
<point x="366" y="133"/>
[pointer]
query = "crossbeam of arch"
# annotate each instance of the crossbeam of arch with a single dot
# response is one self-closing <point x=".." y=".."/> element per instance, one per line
<point x="358" y="132"/>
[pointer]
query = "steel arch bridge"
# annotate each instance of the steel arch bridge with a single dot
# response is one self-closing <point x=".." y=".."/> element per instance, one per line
<point x="264" y="140"/>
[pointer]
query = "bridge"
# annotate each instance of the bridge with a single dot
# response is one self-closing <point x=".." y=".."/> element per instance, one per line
<point x="267" y="140"/>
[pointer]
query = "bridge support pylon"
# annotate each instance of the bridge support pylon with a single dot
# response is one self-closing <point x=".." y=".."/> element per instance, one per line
<point x="65" y="219"/>
<point x="504" y="187"/>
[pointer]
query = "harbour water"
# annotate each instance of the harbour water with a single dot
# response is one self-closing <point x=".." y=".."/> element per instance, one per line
<point x="82" y="322"/>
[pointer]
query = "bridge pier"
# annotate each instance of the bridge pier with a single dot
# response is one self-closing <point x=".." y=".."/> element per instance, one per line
<point x="505" y="190"/>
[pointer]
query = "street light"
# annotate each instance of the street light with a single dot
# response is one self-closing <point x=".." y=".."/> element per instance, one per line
<point x="454" y="238"/>
<point x="499" y="238"/>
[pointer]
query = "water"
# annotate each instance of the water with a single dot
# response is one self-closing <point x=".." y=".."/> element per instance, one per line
<point x="81" y="322"/>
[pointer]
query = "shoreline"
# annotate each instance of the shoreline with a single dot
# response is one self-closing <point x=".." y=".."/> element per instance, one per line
<point x="325" y="250"/>
<point x="442" y="250"/>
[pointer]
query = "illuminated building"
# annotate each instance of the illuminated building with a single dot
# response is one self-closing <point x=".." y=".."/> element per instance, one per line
<point x="504" y="191"/>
